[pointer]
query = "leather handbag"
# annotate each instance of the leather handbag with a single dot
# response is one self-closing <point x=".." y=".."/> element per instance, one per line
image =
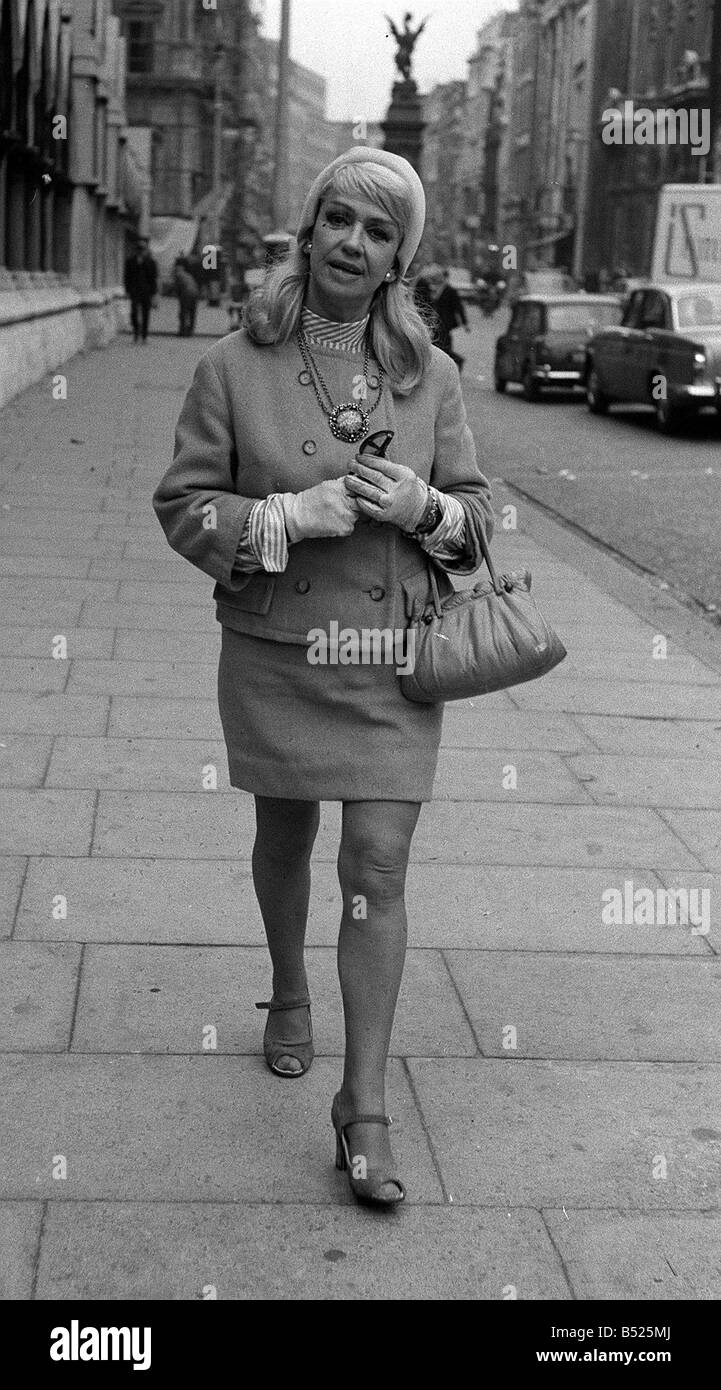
<point x="479" y="640"/>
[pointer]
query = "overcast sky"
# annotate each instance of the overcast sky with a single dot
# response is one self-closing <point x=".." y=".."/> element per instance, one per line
<point x="348" y="42"/>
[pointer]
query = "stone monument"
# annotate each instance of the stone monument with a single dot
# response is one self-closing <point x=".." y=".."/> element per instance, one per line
<point x="403" y="126"/>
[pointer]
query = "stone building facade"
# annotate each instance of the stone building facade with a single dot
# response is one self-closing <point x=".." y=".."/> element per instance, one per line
<point x="444" y="115"/>
<point x="656" y="54"/>
<point x="312" y="139"/>
<point x="67" y="195"/>
<point x="485" y="158"/>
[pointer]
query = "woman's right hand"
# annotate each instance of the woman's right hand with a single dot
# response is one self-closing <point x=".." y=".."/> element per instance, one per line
<point x="324" y="510"/>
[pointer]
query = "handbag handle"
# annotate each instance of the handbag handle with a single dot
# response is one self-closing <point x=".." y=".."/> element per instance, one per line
<point x="496" y="582"/>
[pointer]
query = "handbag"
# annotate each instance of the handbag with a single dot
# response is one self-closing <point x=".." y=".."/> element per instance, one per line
<point x="479" y="640"/>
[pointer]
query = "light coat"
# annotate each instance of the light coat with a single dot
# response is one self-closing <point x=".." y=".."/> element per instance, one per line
<point x="241" y="436"/>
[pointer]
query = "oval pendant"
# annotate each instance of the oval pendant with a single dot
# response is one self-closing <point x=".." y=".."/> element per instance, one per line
<point x="348" y="422"/>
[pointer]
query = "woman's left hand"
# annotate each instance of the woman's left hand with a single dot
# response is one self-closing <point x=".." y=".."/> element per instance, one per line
<point x="387" y="491"/>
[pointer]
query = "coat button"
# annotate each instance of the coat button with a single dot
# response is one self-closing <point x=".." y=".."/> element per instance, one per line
<point x="309" y="446"/>
<point x="302" y="586"/>
<point x="373" y="382"/>
<point x="304" y="378"/>
<point x="377" y="593"/>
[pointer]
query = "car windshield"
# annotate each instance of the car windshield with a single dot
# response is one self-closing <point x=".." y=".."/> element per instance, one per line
<point x="581" y="318"/>
<point x="699" y="309"/>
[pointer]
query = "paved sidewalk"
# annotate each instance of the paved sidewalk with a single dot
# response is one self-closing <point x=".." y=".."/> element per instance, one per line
<point x="555" y="1081"/>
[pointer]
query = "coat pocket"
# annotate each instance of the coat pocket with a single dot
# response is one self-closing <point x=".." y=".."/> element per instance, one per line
<point x="255" y="596"/>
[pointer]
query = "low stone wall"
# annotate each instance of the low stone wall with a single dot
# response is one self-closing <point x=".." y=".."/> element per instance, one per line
<point x="44" y="321"/>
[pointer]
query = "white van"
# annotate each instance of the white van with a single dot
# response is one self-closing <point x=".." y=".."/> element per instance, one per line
<point x="687" y="242"/>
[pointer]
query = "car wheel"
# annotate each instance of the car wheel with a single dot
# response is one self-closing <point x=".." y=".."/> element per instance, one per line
<point x="668" y="416"/>
<point x="531" y="389"/>
<point x="596" y="397"/>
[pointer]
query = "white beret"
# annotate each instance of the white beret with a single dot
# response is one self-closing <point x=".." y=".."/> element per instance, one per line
<point x="366" y="154"/>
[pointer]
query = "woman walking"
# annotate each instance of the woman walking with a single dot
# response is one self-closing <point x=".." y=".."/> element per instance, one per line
<point x="270" y="493"/>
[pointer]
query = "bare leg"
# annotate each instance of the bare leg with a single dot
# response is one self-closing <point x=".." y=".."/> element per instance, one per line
<point x="285" y="833"/>
<point x="372" y="865"/>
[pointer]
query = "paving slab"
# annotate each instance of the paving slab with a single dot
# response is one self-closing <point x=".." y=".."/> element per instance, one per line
<point x="168" y="568"/>
<point x="169" y="1128"/>
<point x="620" y="697"/>
<point x="160" y="998"/>
<point x="170" y="823"/>
<point x="12" y="875"/>
<point x="177" y="679"/>
<point x="145" y="1251"/>
<point x="623" y="780"/>
<point x="34" y="677"/>
<point x="588" y="1007"/>
<point x="134" y="764"/>
<point x="61" y="521"/>
<point x="51" y="714"/>
<point x="167" y="824"/>
<point x="454" y="832"/>
<point x="625" y="1256"/>
<point x="38" y="641"/>
<point x="685" y="738"/>
<point x="701" y="831"/>
<point x="26" y="611"/>
<point x="575" y="1134"/>
<point x="212" y="902"/>
<point x="591" y="663"/>
<point x="198" y="594"/>
<point x="19" y="1236"/>
<point x="72" y="547"/>
<point x="150" y="618"/>
<point x="62" y="567"/>
<point x="471" y="724"/>
<point x="489" y="775"/>
<point x="134" y="645"/>
<point x="48" y="592"/>
<point x="146" y="716"/>
<point x="38" y="985"/>
<point x="141" y="900"/>
<point x="45" y="822"/>
<point x="23" y="759"/>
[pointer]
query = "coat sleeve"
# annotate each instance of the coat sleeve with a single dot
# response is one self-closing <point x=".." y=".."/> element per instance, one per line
<point x="455" y="467"/>
<point x="202" y="515"/>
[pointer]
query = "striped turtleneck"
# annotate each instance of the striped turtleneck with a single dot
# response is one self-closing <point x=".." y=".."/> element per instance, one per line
<point x="328" y="333"/>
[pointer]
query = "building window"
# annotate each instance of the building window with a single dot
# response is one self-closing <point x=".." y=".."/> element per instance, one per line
<point x="141" y="44"/>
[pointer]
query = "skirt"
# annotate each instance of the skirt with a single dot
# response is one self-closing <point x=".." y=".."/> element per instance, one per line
<point x="321" y="732"/>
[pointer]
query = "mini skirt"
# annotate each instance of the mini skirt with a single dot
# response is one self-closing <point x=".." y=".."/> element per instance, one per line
<point x="321" y="732"/>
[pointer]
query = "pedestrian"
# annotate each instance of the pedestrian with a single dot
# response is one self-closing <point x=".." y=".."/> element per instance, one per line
<point x="186" y="288"/>
<point x="447" y="307"/>
<point x="270" y="495"/>
<point x="141" y="287"/>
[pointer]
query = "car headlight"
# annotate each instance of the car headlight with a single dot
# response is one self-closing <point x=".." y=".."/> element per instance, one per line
<point x="699" y="359"/>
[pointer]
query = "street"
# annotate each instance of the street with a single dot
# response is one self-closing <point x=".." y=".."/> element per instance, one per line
<point x="554" y="1078"/>
<point x="653" y="499"/>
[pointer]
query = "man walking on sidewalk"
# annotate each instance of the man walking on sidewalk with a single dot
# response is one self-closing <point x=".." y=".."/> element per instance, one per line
<point x="141" y="287"/>
<point x="436" y="294"/>
<point x="186" y="288"/>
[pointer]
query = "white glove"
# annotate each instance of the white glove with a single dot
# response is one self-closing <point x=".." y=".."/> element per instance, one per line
<point x="324" y="510"/>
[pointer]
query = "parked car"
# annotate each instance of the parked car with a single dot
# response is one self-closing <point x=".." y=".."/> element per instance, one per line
<point x="460" y="279"/>
<point x="666" y="352"/>
<point x="548" y="281"/>
<point x="546" y="340"/>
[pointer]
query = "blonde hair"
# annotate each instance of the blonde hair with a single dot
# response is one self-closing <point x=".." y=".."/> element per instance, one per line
<point x="399" y="336"/>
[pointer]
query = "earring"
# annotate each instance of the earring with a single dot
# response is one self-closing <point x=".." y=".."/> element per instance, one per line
<point x="308" y="247"/>
<point x="390" y="275"/>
